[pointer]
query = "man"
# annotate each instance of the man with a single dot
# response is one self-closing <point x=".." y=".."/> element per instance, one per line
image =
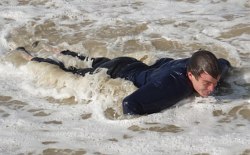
<point x="160" y="85"/>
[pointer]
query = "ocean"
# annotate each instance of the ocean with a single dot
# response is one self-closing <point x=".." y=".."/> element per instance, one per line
<point x="44" y="110"/>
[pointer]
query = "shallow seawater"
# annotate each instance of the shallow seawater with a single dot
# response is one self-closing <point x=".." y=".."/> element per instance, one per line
<point x="44" y="110"/>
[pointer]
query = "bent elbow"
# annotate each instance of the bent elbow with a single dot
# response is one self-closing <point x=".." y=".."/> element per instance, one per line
<point x="126" y="109"/>
<point x="130" y="108"/>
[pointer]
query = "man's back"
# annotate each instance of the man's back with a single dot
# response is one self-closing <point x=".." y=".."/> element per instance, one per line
<point x="160" y="70"/>
<point x="160" y="87"/>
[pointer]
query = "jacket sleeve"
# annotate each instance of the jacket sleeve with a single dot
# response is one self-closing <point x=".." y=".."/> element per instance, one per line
<point x="155" y="96"/>
<point x="225" y="68"/>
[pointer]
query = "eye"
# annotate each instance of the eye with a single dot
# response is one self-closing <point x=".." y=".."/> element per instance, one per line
<point x="205" y="83"/>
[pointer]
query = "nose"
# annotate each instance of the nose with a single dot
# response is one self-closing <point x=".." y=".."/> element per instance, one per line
<point x="211" y="87"/>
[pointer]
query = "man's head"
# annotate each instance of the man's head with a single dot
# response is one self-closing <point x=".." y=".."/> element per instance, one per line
<point x="204" y="72"/>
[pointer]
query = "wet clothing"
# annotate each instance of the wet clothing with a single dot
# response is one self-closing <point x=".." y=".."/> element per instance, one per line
<point x="160" y="85"/>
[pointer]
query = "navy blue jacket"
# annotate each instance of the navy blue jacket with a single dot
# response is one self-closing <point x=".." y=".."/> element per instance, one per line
<point x="160" y="86"/>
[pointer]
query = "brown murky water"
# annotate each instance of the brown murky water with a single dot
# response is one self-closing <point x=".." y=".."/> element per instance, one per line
<point x="64" y="125"/>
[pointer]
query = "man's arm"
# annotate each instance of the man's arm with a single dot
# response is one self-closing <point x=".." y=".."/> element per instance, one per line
<point x="225" y="67"/>
<point x="156" y="96"/>
<point x="143" y="100"/>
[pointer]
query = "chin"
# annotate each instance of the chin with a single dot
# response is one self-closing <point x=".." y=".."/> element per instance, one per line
<point x="204" y="95"/>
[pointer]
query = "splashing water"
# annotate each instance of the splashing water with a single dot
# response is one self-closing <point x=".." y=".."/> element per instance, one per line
<point x="44" y="110"/>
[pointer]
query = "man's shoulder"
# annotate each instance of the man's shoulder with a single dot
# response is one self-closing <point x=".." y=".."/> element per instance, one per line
<point x="175" y="64"/>
<point x="172" y="78"/>
<point x="174" y="68"/>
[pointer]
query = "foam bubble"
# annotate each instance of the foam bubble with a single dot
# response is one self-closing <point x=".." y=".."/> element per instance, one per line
<point x="48" y="108"/>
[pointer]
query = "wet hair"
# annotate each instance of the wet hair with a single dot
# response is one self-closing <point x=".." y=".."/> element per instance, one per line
<point x="204" y="61"/>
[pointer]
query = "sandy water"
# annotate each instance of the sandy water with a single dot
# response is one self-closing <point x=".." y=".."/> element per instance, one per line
<point x="44" y="110"/>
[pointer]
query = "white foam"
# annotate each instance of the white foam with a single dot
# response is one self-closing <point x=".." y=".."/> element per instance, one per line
<point x="25" y="129"/>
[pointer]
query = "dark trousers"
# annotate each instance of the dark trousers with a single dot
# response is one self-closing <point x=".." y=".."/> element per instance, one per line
<point x="114" y="66"/>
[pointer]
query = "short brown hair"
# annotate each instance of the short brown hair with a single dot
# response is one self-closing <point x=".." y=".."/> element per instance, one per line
<point x="204" y="61"/>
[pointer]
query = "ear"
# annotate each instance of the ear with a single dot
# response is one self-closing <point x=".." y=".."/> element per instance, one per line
<point x="190" y="75"/>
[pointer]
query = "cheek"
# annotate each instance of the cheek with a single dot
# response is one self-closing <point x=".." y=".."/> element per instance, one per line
<point x="200" y="86"/>
<point x="203" y="86"/>
<point x="196" y="86"/>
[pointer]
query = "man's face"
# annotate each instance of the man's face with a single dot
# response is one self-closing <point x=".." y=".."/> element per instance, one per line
<point x="204" y="84"/>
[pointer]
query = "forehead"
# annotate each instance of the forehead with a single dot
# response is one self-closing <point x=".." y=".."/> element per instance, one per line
<point x="208" y="78"/>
